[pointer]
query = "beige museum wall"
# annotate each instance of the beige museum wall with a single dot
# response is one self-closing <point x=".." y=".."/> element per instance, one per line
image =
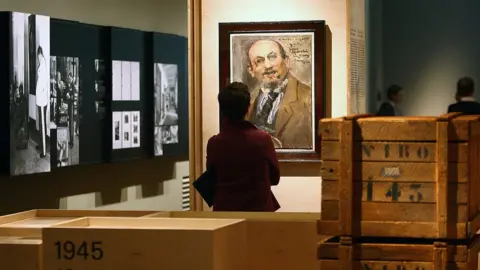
<point x="143" y="184"/>
<point x="300" y="194"/>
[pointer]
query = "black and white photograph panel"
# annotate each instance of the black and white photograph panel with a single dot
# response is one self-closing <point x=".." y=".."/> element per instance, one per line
<point x="100" y="88"/>
<point x="99" y="66"/>
<point x="116" y="80"/>
<point x="166" y="94"/>
<point x="127" y="129"/>
<point x="125" y="81"/>
<point x="158" y="144"/>
<point x="116" y="130"/>
<point x="30" y="94"/>
<point x="135" y="81"/>
<point x="64" y="104"/>
<point x="135" y="129"/>
<point x="169" y="134"/>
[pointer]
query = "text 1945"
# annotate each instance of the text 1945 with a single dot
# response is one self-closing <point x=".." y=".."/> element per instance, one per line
<point x="68" y="250"/>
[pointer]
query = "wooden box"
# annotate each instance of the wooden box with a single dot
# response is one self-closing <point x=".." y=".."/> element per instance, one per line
<point x="29" y="223"/>
<point x="401" y="176"/>
<point x="280" y="241"/>
<point x="146" y="244"/>
<point x="394" y="254"/>
<point x="19" y="252"/>
<point x="20" y="234"/>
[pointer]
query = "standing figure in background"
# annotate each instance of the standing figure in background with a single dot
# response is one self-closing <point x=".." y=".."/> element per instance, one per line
<point x="465" y="101"/>
<point x="57" y="91"/>
<point x="41" y="98"/>
<point x="71" y="108"/>
<point x="394" y="98"/>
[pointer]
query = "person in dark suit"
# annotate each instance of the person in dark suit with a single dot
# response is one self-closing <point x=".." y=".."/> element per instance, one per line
<point x="394" y="97"/>
<point x="465" y="101"/>
<point x="242" y="157"/>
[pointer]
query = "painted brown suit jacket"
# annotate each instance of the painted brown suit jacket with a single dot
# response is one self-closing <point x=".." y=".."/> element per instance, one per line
<point x="294" y="118"/>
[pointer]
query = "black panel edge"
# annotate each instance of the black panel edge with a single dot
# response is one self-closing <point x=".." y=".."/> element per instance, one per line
<point x="7" y="72"/>
<point x="106" y="50"/>
<point x="149" y="89"/>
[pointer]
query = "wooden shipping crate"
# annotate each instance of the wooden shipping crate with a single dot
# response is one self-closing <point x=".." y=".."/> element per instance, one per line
<point x="396" y="254"/>
<point x="20" y="234"/>
<point x="29" y="223"/>
<point x="280" y="241"/>
<point x="401" y="176"/>
<point x="146" y="244"/>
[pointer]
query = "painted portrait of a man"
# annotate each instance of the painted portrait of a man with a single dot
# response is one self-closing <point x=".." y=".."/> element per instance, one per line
<point x="278" y="69"/>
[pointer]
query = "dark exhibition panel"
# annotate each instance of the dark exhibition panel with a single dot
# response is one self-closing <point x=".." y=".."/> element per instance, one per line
<point x="83" y="94"/>
<point x="171" y="102"/>
<point x="131" y="95"/>
<point x="78" y="97"/>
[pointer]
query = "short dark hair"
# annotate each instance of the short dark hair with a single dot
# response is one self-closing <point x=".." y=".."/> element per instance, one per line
<point x="465" y="87"/>
<point x="283" y="52"/>
<point x="392" y="91"/>
<point x="234" y="101"/>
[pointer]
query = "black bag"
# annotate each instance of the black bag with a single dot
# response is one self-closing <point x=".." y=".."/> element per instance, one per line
<point x="205" y="185"/>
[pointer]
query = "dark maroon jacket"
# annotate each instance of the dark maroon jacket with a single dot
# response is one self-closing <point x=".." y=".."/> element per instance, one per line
<point x="245" y="164"/>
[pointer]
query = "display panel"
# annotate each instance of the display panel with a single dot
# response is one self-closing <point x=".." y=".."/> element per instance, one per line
<point x="166" y="105"/>
<point x="100" y="89"/>
<point x="130" y="103"/>
<point x="78" y="90"/>
<point x="126" y="130"/>
<point x="170" y="95"/>
<point x="30" y="94"/>
<point x="64" y="102"/>
<point x="126" y="81"/>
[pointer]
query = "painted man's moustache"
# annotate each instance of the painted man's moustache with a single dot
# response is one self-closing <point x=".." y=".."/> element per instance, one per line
<point x="269" y="72"/>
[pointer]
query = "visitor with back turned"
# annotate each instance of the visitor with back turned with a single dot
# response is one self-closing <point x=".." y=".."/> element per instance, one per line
<point x="390" y="106"/>
<point x="241" y="157"/>
<point x="465" y="101"/>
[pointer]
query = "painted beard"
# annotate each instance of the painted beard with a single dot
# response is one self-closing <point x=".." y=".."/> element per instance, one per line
<point x="278" y="83"/>
<point x="271" y="79"/>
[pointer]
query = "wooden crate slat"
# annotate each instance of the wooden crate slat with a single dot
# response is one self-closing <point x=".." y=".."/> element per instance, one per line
<point x="399" y="129"/>
<point x="388" y="191"/>
<point x="345" y="184"/>
<point x="395" y="228"/>
<point x="474" y="168"/>
<point x="441" y="170"/>
<point x="398" y="171"/>
<point x="337" y="253"/>
<point x="399" y="211"/>
<point x="396" y="151"/>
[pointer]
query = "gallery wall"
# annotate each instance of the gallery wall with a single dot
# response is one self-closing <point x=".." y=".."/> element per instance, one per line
<point x="427" y="46"/>
<point x="296" y="192"/>
<point x="142" y="184"/>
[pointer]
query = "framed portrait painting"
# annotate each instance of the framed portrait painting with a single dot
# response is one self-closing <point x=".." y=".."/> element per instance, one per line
<point x="283" y="64"/>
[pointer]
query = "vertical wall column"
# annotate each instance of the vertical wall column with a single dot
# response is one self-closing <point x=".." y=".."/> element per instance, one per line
<point x="194" y="98"/>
